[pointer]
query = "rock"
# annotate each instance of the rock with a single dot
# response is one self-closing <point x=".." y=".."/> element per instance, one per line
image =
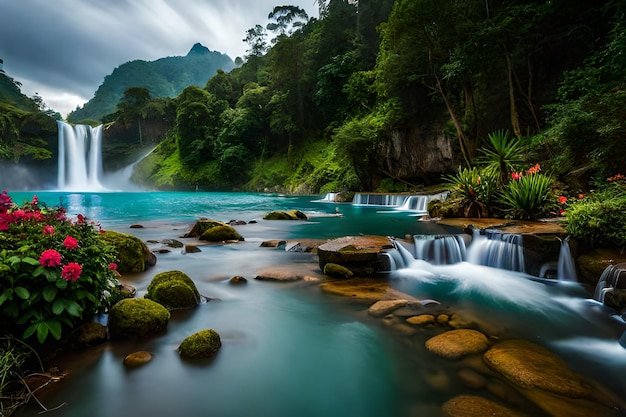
<point x="337" y="271"/>
<point x="529" y="365"/>
<point x="136" y="226"/>
<point x="132" y="254"/>
<point x="236" y="222"/>
<point x="273" y="243"/>
<point x="133" y="318"/>
<point x="223" y="233"/>
<point x="172" y="243"/>
<point x="202" y="344"/>
<point x="285" y="215"/>
<point x="368" y="290"/>
<point x="455" y="344"/>
<point x="360" y="254"/>
<point x="283" y="275"/>
<point x="443" y="319"/>
<point x="88" y="334"/>
<point x="471" y="378"/>
<point x="173" y="289"/>
<point x="615" y="298"/>
<point x="191" y="248"/>
<point x="475" y="406"/>
<point x="136" y="359"/>
<point x="238" y="280"/>
<point x="201" y="226"/>
<point x="384" y="307"/>
<point x="421" y="320"/>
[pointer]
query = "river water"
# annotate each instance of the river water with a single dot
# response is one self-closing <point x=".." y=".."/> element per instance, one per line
<point x="289" y="349"/>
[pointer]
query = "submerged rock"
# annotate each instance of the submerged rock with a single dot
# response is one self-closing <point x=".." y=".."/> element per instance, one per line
<point x="458" y="343"/>
<point x="173" y="289"/>
<point x="285" y="215"/>
<point x="133" y="255"/>
<point x="475" y="406"/>
<point x="136" y="359"/>
<point x="337" y="271"/>
<point x="384" y="307"/>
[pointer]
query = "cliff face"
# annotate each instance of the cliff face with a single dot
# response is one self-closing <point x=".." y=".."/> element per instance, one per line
<point x="418" y="153"/>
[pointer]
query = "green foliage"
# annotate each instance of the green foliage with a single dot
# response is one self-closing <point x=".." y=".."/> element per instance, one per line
<point x="599" y="219"/>
<point x="528" y="198"/>
<point x="502" y="157"/>
<point x="474" y="190"/>
<point x="54" y="272"/>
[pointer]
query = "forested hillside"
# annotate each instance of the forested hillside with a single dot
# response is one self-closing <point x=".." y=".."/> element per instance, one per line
<point x="390" y="95"/>
<point x="165" y="77"/>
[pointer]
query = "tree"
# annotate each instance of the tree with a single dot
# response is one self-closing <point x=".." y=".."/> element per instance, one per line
<point x="284" y="20"/>
<point x="255" y="38"/>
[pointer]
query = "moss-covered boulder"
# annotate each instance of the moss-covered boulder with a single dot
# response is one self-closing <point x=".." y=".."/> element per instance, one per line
<point x="223" y="233"/>
<point x="202" y="226"/>
<point x="134" y="318"/>
<point x="173" y="290"/>
<point x="337" y="271"/>
<point x="285" y="215"/>
<point x="203" y="344"/>
<point x="132" y="254"/>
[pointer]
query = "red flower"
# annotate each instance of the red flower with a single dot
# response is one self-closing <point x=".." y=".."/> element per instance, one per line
<point x="581" y="196"/>
<point x="534" y="169"/>
<point x="50" y="258"/>
<point x="35" y="200"/>
<point x="48" y="230"/>
<point x="81" y="219"/>
<point x="19" y="214"/>
<point x="478" y="181"/>
<point x="562" y="199"/>
<point x="71" y="271"/>
<point x="516" y="176"/>
<point x="70" y="242"/>
<point x="112" y="266"/>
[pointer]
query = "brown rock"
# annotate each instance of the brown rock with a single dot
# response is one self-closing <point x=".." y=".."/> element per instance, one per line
<point x="455" y="344"/>
<point x="358" y="253"/>
<point x="421" y="320"/>
<point x="135" y="359"/>
<point x="364" y="289"/>
<point x="283" y="275"/>
<point x="474" y="406"/>
<point x="471" y="378"/>
<point x="384" y="307"/>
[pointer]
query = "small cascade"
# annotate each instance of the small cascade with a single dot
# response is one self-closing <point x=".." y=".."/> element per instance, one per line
<point x="439" y="249"/>
<point x="328" y="198"/>
<point x="613" y="276"/>
<point x="80" y="157"/>
<point x="496" y="249"/>
<point x="566" y="269"/>
<point x="385" y="200"/>
<point x="419" y="203"/>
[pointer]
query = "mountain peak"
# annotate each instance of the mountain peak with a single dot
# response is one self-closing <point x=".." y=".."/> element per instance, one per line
<point x="198" y="49"/>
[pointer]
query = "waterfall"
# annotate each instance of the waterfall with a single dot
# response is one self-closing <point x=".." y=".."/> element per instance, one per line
<point x="419" y="203"/>
<point x="80" y="157"/>
<point x="388" y="200"/>
<point x="613" y="276"/>
<point x="500" y="250"/>
<point x="566" y="270"/>
<point x="440" y="249"/>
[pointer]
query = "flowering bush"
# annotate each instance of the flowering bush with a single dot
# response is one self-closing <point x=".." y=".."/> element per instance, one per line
<point x="474" y="188"/>
<point x="528" y="196"/>
<point x="54" y="271"/>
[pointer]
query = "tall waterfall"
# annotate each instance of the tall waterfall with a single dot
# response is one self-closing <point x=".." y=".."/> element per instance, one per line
<point x="80" y="157"/>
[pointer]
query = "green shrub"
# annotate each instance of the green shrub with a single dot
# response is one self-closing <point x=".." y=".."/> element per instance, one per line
<point x="473" y="189"/>
<point x="54" y="272"/>
<point x="528" y="197"/>
<point x="599" y="222"/>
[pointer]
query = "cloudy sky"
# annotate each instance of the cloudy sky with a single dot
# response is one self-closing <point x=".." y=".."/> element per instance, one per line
<point x="63" y="49"/>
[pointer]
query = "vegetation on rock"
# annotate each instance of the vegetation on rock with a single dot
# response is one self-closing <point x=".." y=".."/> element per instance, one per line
<point x="203" y="344"/>
<point x="131" y="252"/>
<point x="173" y="289"/>
<point x="134" y="318"/>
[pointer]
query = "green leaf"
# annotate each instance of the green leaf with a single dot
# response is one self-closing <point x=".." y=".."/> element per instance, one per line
<point x="42" y="331"/>
<point x="58" y="306"/>
<point x="40" y="270"/>
<point x="49" y="292"/>
<point x="55" y="328"/>
<point x="61" y="284"/>
<point x="73" y="308"/>
<point x="30" y="261"/>
<point x="29" y="331"/>
<point x="14" y="260"/>
<point x="22" y="292"/>
<point x="6" y="295"/>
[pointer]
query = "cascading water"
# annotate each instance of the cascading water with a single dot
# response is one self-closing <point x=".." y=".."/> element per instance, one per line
<point x="419" y="203"/>
<point x="566" y="270"/>
<point x="440" y="249"/>
<point x="613" y="276"/>
<point x="80" y="158"/>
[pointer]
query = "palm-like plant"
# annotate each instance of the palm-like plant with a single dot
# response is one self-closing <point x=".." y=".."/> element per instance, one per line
<point x="503" y="157"/>
<point x="528" y="198"/>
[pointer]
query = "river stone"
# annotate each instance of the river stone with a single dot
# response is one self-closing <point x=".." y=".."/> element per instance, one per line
<point x="529" y="365"/>
<point x="337" y="271"/>
<point x="88" y="334"/>
<point x="475" y="406"/>
<point x="367" y="290"/>
<point x="384" y="307"/>
<point x="136" y="359"/>
<point x="133" y="318"/>
<point x="615" y="298"/>
<point x="238" y="280"/>
<point x="421" y="320"/>
<point x="471" y="378"/>
<point x="202" y="344"/>
<point x="281" y="275"/>
<point x="455" y="344"/>
<point x="360" y="254"/>
<point x="285" y="215"/>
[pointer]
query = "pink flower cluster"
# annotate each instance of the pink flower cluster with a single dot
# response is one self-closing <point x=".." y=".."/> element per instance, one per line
<point x="50" y="258"/>
<point x="516" y="176"/>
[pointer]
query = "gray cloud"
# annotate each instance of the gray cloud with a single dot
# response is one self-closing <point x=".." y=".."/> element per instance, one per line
<point x="63" y="49"/>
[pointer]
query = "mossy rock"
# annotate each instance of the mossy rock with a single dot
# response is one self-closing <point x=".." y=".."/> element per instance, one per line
<point x="133" y="318"/>
<point x="285" y="215"/>
<point x="337" y="271"/>
<point x="202" y="226"/>
<point x="132" y="254"/>
<point x="202" y="344"/>
<point x="221" y="234"/>
<point x="173" y="289"/>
